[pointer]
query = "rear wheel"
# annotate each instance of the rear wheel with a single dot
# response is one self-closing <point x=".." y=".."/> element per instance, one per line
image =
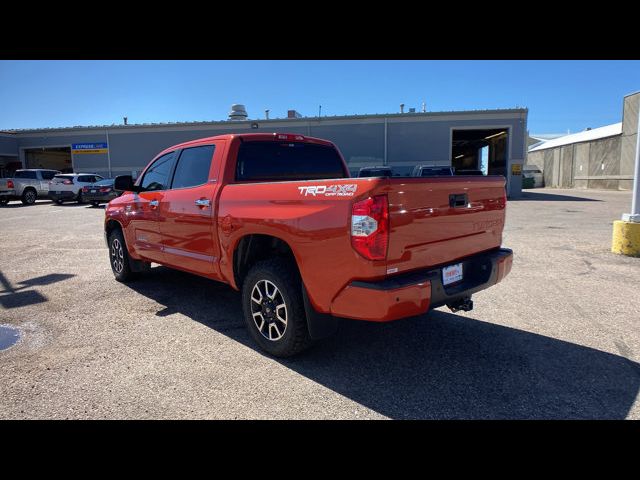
<point x="80" y="196"/>
<point x="95" y="204"/>
<point x="29" y="196"/>
<point x="3" y="201"/>
<point x="273" y="308"/>
<point x="59" y="202"/>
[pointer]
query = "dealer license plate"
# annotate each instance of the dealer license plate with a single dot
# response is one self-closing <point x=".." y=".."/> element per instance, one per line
<point x="452" y="274"/>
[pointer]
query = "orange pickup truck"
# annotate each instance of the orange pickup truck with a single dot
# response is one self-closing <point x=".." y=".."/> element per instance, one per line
<point x="278" y="217"/>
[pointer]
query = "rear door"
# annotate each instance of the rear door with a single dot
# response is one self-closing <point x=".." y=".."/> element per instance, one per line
<point x="145" y="206"/>
<point x="187" y="211"/>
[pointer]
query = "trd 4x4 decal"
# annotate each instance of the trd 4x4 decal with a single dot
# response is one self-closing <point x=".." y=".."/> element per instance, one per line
<point x="346" y="190"/>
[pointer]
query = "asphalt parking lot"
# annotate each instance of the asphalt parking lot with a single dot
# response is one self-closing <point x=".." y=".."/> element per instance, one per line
<point x="559" y="338"/>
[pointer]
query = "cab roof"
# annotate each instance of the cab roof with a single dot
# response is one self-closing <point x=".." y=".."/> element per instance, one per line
<point x="251" y="137"/>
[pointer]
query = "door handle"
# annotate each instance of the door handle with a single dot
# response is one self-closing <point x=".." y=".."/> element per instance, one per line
<point x="153" y="203"/>
<point x="203" y="202"/>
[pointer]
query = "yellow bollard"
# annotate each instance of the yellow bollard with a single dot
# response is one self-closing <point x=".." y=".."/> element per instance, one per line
<point x="626" y="238"/>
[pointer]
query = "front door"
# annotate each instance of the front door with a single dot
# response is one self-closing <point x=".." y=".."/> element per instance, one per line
<point x="145" y="208"/>
<point x="188" y="210"/>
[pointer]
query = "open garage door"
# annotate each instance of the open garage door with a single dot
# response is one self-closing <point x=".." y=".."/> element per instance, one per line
<point x="480" y="151"/>
<point x="54" y="158"/>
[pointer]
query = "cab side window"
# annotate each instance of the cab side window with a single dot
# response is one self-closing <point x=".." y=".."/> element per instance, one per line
<point x="193" y="167"/>
<point x="158" y="175"/>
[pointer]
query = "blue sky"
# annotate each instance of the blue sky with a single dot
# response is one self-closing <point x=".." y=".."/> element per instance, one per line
<point x="560" y="95"/>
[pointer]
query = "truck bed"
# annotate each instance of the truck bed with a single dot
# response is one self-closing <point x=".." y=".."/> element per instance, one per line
<point x="315" y="216"/>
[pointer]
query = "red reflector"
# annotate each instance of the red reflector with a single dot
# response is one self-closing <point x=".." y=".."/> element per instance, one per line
<point x="289" y="137"/>
<point x="370" y="227"/>
<point x="10" y="184"/>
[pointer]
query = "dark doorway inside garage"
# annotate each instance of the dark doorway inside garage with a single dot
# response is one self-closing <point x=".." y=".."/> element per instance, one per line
<point x="482" y="151"/>
<point x="55" y="158"/>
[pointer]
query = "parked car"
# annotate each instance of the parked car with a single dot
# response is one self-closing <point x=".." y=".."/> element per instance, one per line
<point x="68" y="186"/>
<point x="375" y="172"/>
<point x="26" y="185"/>
<point x="277" y="217"/>
<point x="533" y="172"/>
<point x="432" y="171"/>
<point x="100" y="192"/>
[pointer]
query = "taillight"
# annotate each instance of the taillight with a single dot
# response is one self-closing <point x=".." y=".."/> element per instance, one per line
<point x="68" y="182"/>
<point x="10" y="184"/>
<point x="105" y="189"/>
<point x="85" y="189"/>
<point x="370" y="227"/>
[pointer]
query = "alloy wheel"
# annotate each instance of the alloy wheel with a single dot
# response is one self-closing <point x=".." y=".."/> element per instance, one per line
<point x="269" y="310"/>
<point x="117" y="256"/>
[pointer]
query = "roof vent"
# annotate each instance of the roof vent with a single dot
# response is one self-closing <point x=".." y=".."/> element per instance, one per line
<point x="238" y="112"/>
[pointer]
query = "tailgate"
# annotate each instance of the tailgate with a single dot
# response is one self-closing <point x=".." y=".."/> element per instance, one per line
<point x="436" y="221"/>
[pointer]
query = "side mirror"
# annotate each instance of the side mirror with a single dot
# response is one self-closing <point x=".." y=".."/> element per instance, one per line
<point x="124" y="183"/>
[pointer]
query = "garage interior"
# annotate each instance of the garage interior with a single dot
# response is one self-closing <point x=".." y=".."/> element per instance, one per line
<point x="480" y="151"/>
<point x="55" y="158"/>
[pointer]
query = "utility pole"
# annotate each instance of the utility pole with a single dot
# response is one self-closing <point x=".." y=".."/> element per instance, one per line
<point x="634" y="216"/>
<point x="626" y="232"/>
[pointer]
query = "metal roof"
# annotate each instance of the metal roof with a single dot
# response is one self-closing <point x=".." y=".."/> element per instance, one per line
<point x="261" y="120"/>
<point x="586" y="136"/>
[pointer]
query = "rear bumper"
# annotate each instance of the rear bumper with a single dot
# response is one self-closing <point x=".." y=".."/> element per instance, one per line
<point x="8" y="194"/>
<point x="62" y="195"/>
<point x="417" y="292"/>
<point x="102" y="198"/>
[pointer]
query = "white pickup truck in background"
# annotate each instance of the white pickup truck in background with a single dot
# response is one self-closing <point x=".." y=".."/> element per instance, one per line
<point x="26" y="185"/>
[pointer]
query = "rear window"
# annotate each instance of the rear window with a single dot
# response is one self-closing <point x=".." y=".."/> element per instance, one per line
<point x="25" y="174"/>
<point x="105" y="183"/>
<point x="273" y="161"/>
<point x="64" y="177"/>
<point x="436" y="172"/>
<point x="48" y="174"/>
<point x="375" y="172"/>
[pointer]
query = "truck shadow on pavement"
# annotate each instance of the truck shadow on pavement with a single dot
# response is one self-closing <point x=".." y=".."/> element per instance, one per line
<point x="436" y="366"/>
<point x="551" y="197"/>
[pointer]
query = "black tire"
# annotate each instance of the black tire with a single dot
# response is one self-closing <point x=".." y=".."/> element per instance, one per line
<point x="29" y="196"/>
<point x="79" y="198"/>
<point x="3" y="201"/>
<point x="294" y="334"/>
<point x="59" y="202"/>
<point x="119" y="257"/>
<point x="95" y="204"/>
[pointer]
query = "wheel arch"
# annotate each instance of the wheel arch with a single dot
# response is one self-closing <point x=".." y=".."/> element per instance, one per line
<point x="253" y="247"/>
